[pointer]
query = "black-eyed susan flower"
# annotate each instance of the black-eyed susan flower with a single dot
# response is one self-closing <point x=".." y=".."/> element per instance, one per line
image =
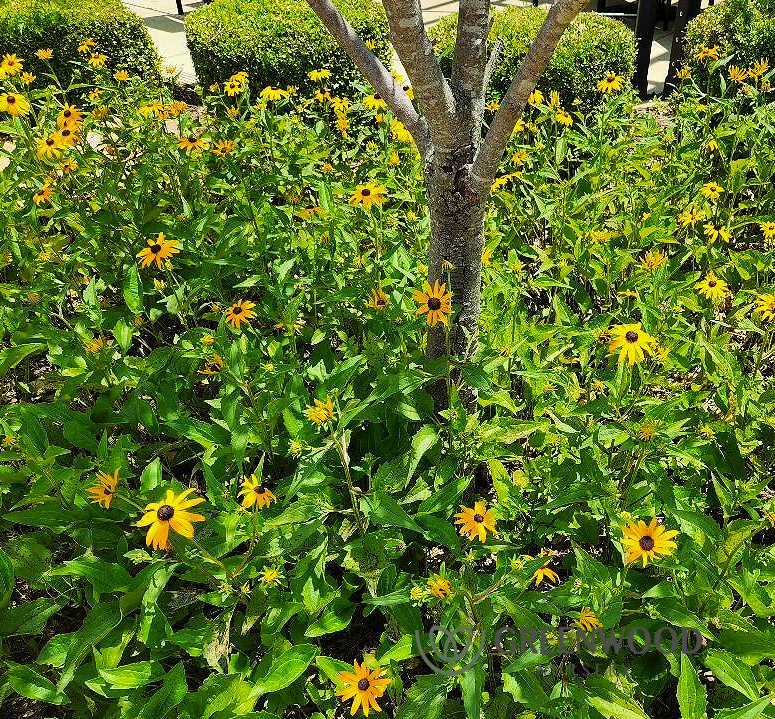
<point x="189" y="143"/>
<point x="232" y="87"/>
<point x="645" y="542"/>
<point x="374" y="102"/>
<point x="240" y="311"/>
<point x="10" y="65"/>
<point x="372" y="193"/>
<point x="399" y="132"/>
<point x="631" y="342"/>
<point x="435" y="302"/>
<point x="69" y="116"/>
<point x="646" y="431"/>
<point x="42" y="194"/>
<point x="151" y="109"/>
<point x="535" y="98"/>
<point x="563" y="117"/>
<point x="253" y="491"/>
<point x="48" y="147"/>
<point x="364" y="687"/>
<point x="66" y="136"/>
<point x="175" y="109"/>
<point x="486" y="256"/>
<point x="653" y="259"/>
<point x="273" y="94"/>
<point x="737" y="75"/>
<point x="94" y="345"/>
<point x="44" y="53"/>
<point x="121" y="76"/>
<point x="102" y="492"/>
<point x="610" y="83"/>
<point x="157" y="250"/>
<point x="587" y="620"/>
<point x="318" y="75"/>
<point x="690" y="217"/>
<point x="409" y="91"/>
<point x="14" y="104"/>
<point x="543" y="572"/>
<point x="765" y="306"/>
<point x="712" y="287"/>
<point x="170" y="513"/>
<point x="492" y="106"/>
<point x="27" y="78"/>
<point x="759" y="67"/>
<point x="476" y="521"/>
<point x="320" y="412"/>
<point x="707" y="53"/>
<point x="440" y="587"/>
<point x="768" y="230"/>
<point x="716" y="232"/>
<point x="213" y="365"/>
<point x="85" y="45"/>
<point x="97" y="59"/>
<point x="371" y="44"/>
<point x="378" y="300"/>
<point x="769" y="516"/>
<point x="223" y="148"/>
<point x="711" y="190"/>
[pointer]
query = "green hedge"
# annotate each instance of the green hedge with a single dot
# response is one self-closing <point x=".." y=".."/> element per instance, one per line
<point x="29" y="25"/>
<point x="278" y="42"/>
<point x="592" y="46"/>
<point x="745" y="28"/>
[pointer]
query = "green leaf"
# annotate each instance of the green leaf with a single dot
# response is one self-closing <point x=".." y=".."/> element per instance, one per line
<point x="28" y="618"/>
<point x="731" y="671"/>
<point x="286" y="669"/>
<point x="336" y="616"/>
<point x="402" y="650"/>
<point x="383" y="510"/>
<point x="105" y="577"/>
<point x="611" y="703"/>
<point x="331" y="668"/>
<point x="25" y="681"/>
<point x="133" y="290"/>
<point x="11" y="356"/>
<point x="425" y="698"/>
<point x="132" y="676"/>
<point x="99" y="621"/>
<point x="749" y="711"/>
<point x="123" y="334"/>
<point x="425" y="438"/>
<point x="699" y="521"/>
<point x="471" y="683"/>
<point x="6" y="579"/>
<point x="692" y="695"/>
<point x="161" y="702"/>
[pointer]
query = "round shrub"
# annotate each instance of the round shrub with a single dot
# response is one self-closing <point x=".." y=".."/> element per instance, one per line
<point x="592" y="46"/>
<point x="743" y="28"/>
<point x="278" y="42"/>
<point x="61" y="25"/>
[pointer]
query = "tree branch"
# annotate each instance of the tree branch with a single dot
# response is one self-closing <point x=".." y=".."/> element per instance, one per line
<point x="374" y="71"/>
<point x="468" y="66"/>
<point x="492" y="61"/>
<point x="486" y="161"/>
<point x="415" y="51"/>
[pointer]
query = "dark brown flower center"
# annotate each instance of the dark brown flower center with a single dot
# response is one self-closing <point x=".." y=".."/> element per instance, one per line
<point x="478" y="518"/>
<point x="156" y="248"/>
<point x="406" y="87"/>
<point x="712" y="283"/>
<point x="236" y="310"/>
<point x="191" y="139"/>
<point x="377" y="97"/>
<point x="363" y="684"/>
<point x="434" y="303"/>
<point x="381" y="302"/>
<point x="50" y="142"/>
<point x="646" y="543"/>
<point x="11" y="100"/>
<point x="165" y="512"/>
<point x="66" y="113"/>
<point x="260" y="489"/>
<point x="65" y="133"/>
<point x="631" y="336"/>
<point x="365" y="192"/>
<point x="106" y="491"/>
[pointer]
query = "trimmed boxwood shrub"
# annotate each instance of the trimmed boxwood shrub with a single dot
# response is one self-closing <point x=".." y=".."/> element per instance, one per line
<point x="745" y="28"/>
<point x="278" y="42"/>
<point x="592" y="46"/>
<point x="29" y="25"/>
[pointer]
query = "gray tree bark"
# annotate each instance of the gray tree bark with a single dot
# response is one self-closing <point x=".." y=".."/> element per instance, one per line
<point x="459" y="166"/>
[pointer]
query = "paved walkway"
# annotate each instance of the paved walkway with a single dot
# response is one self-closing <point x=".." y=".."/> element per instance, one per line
<point x="166" y="28"/>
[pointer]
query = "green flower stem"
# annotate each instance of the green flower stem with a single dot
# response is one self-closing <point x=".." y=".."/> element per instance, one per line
<point x="249" y="552"/>
<point x="209" y="556"/>
<point x="339" y="444"/>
